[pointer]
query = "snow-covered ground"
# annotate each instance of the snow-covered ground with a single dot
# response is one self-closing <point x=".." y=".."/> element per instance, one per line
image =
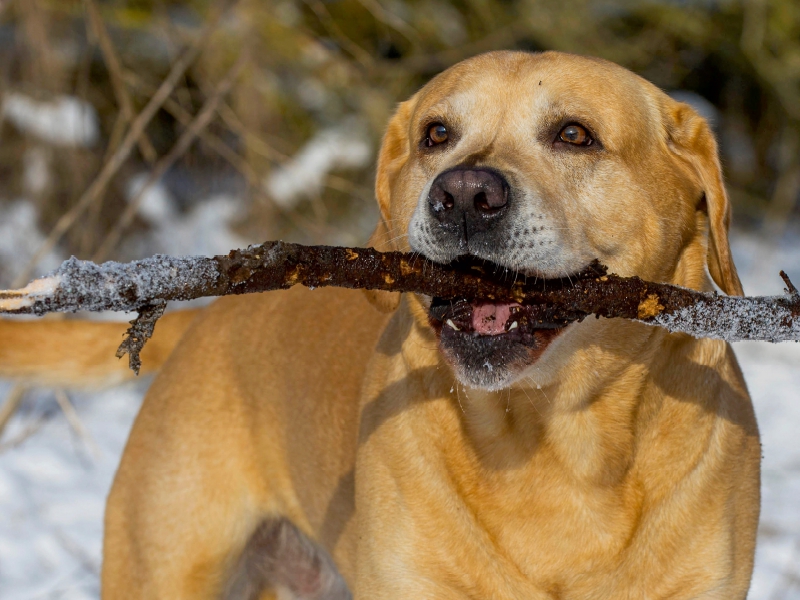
<point x="53" y="484"/>
<point x="772" y="372"/>
<point x="52" y="492"/>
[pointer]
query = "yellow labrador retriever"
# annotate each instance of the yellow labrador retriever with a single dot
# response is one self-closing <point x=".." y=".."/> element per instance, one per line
<point x="303" y="444"/>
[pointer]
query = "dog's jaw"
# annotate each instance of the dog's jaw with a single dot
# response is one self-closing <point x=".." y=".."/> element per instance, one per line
<point x="488" y="345"/>
<point x="492" y="362"/>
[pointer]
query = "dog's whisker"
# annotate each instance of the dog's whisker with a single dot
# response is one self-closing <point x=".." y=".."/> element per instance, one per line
<point x="394" y="239"/>
<point x="458" y="396"/>
<point x="536" y="408"/>
<point x="539" y="388"/>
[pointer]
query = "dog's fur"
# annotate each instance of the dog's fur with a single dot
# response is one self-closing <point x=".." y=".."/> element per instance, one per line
<point x="299" y="440"/>
<point x="80" y="354"/>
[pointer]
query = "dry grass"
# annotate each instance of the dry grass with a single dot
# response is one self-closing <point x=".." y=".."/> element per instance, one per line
<point x="154" y="70"/>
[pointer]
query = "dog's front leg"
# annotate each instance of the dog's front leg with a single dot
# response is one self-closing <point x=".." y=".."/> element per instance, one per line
<point x="181" y="508"/>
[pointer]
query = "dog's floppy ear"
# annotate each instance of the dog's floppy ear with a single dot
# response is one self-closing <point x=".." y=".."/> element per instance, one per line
<point x="691" y="138"/>
<point x="393" y="154"/>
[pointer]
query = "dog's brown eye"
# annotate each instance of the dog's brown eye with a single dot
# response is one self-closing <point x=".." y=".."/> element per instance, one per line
<point x="437" y="134"/>
<point x="575" y="134"/>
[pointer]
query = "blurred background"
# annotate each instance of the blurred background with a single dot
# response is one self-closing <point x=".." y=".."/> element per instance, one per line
<point x="130" y="127"/>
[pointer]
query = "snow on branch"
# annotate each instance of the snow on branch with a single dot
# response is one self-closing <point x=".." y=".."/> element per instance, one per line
<point x="146" y="285"/>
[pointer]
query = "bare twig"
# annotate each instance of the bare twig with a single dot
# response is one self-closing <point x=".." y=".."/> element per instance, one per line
<point x="114" y="67"/>
<point x="787" y="185"/>
<point x="10" y="406"/>
<point x="145" y="285"/>
<point x="181" y="146"/>
<point x="263" y="148"/>
<point x="329" y="23"/>
<point x="110" y="168"/>
<point x="74" y="421"/>
<point x="789" y="285"/>
<point x="390" y="19"/>
<point x="139" y="332"/>
<point x="208" y="137"/>
<point x="45" y="63"/>
<point x="27" y="432"/>
<point x="777" y="71"/>
<point x="86" y="560"/>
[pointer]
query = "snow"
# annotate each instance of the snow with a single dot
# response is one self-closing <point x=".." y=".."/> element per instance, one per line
<point x="63" y="121"/>
<point x="733" y="319"/>
<point x="773" y="377"/>
<point x="205" y="229"/>
<point x="120" y="286"/>
<point x="20" y="237"/>
<point x="156" y="205"/>
<point x="304" y="174"/>
<point x="53" y="488"/>
<point x="36" y="174"/>
<point x="52" y="492"/>
<point x="115" y="286"/>
<point x="772" y="372"/>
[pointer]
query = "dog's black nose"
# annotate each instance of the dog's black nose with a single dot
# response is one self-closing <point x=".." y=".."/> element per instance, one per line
<point x="474" y="198"/>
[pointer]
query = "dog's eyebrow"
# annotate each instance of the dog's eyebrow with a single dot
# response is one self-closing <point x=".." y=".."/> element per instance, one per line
<point x="556" y="116"/>
<point x="560" y="110"/>
<point x="440" y="110"/>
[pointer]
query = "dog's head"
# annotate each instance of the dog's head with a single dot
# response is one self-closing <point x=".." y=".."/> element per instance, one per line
<point x="541" y="163"/>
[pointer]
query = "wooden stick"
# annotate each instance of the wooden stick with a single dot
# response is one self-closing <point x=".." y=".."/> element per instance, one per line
<point x="146" y="285"/>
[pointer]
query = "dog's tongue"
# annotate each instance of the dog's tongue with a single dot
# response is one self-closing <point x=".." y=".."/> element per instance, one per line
<point x="490" y="319"/>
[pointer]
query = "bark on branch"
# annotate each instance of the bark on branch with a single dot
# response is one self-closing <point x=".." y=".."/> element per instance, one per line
<point x="146" y="285"/>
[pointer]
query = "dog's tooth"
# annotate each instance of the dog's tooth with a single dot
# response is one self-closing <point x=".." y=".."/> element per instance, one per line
<point x="514" y="325"/>
<point x="452" y="325"/>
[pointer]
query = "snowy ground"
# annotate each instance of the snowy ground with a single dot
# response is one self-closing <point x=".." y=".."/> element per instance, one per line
<point x="53" y="484"/>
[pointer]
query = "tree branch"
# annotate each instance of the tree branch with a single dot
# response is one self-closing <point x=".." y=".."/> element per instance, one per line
<point x="146" y="285"/>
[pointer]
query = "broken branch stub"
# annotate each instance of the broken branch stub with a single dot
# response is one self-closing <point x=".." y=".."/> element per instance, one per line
<point x="146" y="285"/>
<point x="139" y="332"/>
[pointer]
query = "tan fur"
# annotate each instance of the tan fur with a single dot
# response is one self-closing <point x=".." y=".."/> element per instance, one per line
<point x="623" y="463"/>
<point x="81" y="354"/>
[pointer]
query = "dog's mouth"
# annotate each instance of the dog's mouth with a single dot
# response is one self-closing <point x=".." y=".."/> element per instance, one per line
<point x="489" y="343"/>
<point x="486" y="318"/>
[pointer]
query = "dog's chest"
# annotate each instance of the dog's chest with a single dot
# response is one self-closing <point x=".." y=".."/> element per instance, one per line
<point x="543" y="521"/>
<point x="516" y="525"/>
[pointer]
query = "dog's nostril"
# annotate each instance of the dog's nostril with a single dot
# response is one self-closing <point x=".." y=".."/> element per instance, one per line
<point x="482" y="202"/>
<point x="449" y="201"/>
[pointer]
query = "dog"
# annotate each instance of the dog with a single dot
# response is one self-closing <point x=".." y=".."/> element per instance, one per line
<point x="334" y="444"/>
